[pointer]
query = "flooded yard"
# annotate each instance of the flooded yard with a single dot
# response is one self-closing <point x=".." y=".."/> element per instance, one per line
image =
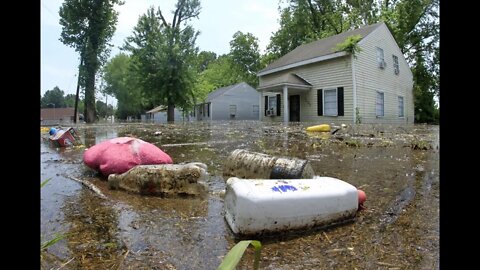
<point x="397" y="167"/>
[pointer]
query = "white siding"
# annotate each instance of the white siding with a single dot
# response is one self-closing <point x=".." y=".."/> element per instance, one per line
<point x="370" y="79"/>
<point x="326" y="74"/>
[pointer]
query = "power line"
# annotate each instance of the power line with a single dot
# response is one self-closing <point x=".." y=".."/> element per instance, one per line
<point x="53" y="14"/>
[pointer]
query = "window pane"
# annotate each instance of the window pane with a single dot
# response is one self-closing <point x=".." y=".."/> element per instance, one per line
<point x="233" y="109"/>
<point x="272" y="102"/>
<point x="380" y="57"/>
<point x="396" y="67"/>
<point x="330" y="102"/>
<point x="400" y="106"/>
<point x="379" y="104"/>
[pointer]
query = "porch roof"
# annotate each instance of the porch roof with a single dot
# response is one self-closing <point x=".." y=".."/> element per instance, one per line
<point x="291" y="80"/>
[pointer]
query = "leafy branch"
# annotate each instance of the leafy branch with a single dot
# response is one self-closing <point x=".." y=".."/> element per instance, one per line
<point x="350" y="45"/>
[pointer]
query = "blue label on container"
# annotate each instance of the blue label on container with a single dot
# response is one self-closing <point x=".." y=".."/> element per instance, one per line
<point x="284" y="188"/>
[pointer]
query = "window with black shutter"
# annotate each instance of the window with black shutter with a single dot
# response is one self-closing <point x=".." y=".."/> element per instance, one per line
<point x="340" y="101"/>
<point x="319" y="102"/>
<point x="266" y="105"/>
<point x="279" y="101"/>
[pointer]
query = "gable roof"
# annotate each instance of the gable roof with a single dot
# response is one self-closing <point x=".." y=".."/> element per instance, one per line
<point x="320" y="49"/>
<point x="158" y="109"/>
<point x="220" y="91"/>
<point x="289" y="79"/>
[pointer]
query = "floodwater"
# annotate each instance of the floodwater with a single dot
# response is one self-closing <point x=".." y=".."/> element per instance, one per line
<point x="397" y="167"/>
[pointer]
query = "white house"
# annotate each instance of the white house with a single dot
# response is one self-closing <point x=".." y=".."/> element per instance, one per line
<point x="234" y="102"/>
<point x="159" y="115"/>
<point x="316" y="83"/>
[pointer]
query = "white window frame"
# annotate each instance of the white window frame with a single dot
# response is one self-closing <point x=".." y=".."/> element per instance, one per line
<point x="378" y="104"/>
<point x="336" y="101"/>
<point x="380" y="57"/>
<point x="272" y="100"/>
<point x="396" y="66"/>
<point x="232" y="108"/>
<point x="401" y="109"/>
<point x="255" y="110"/>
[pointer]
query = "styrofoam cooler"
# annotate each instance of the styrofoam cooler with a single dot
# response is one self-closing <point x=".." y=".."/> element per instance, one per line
<point x="258" y="206"/>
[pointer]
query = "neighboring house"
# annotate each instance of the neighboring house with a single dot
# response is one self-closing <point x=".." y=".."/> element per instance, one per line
<point x="56" y="115"/>
<point x="235" y="102"/>
<point x="159" y="115"/>
<point x="324" y="85"/>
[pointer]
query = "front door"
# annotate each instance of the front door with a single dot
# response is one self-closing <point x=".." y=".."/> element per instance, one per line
<point x="294" y="105"/>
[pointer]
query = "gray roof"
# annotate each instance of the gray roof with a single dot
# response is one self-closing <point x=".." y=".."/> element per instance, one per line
<point x="158" y="109"/>
<point x="287" y="78"/>
<point x="221" y="91"/>
<point x="318" y="48"/>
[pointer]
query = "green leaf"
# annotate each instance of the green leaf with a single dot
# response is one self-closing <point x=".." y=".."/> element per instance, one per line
<point x="235" y="254"/>
<point x="45" y="182"/>
<point x="51" y="242"/>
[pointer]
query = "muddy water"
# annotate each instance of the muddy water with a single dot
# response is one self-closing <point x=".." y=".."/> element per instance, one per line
<point x="397" y="167"/>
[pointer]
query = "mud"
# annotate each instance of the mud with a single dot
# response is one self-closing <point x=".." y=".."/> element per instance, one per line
<point x="397" y="167"/>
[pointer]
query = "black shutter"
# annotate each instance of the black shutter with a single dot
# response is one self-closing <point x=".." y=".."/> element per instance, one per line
<point x="279" y="105"/>
<point x="266" y="105"/>
<point x="208" y="109"/>
<point x="194" y="110"/>
<point x="340" y="101"/>
<point x="319" y="102"/>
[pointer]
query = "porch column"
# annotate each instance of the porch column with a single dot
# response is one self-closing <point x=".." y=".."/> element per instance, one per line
<point x="285" y="104"/>
<point x="261" y="112"/>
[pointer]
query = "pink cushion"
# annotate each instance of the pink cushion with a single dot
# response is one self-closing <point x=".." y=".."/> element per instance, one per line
<point x="121" y="154"/>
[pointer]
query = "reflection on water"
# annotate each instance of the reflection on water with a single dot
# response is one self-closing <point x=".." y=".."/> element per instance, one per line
<point x="399" y="230"/>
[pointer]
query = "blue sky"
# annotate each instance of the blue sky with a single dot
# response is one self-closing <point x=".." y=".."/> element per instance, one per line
<point x="218" y="21"/>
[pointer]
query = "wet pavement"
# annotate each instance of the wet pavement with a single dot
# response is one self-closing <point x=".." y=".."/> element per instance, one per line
<point x="397" y="167"/>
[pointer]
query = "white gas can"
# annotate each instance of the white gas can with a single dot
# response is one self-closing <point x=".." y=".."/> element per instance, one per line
<point x="258" y="206"/>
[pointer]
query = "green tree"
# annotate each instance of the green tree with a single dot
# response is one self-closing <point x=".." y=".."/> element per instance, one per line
<point x="103" y="110"/>
<point x="165" y="54"/>
<point x="53" y="98"/>
<point x="88" y="26"/>
<point x="122" y="83"/>
<point x="219" y="73"/>
<point x="70" y="102"/>
<point x="425" y="110"/>
<point x="245" y="55"/>
<point x="204" y="58"/>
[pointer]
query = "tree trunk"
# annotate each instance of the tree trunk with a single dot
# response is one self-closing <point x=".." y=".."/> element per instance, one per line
<point x="90" y="96"/>
<point x="171" y="113"/>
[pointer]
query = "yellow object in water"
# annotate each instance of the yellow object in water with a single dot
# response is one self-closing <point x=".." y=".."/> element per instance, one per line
<point x="44" y="129"/>
<point x="319" y="128"/>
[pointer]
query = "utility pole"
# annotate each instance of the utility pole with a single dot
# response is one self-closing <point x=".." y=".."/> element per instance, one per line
<point x="75" y="113"/>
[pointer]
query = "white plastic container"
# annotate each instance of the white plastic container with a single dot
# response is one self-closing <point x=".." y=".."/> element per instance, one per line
<point x="258" y="206"/>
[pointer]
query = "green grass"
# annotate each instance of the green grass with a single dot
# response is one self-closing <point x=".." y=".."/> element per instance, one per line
<point x="46" y="244"/>
<point x="44" y="182"/>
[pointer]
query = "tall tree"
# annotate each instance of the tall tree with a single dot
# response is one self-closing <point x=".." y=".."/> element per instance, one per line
<point x="219" y="73"/>
<point x="122" y="82"/>
<point x="165" y="54"/>
<point x="245" y="55"/>
<point x="88" y="26"/>
<point x="70" y="102"/>
<point x="53" y="98"/>
<point x="204" y="58"/>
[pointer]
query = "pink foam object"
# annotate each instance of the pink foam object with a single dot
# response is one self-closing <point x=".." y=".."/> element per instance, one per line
<point x="121" y="154"/>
